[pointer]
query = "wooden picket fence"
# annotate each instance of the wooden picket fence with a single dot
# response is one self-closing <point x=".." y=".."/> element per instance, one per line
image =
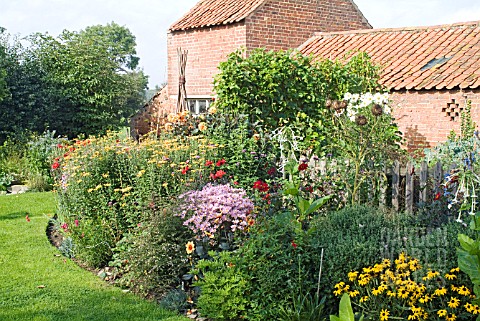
<point x="407" y="185"/>
<point x="411" y="185"/>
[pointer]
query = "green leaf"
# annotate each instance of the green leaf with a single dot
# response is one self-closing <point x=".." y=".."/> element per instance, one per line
<point x="315" y="205"/>
<point x="469" y="264"/>
<point x="346" y="311"/>
<point x="466" y="242"/>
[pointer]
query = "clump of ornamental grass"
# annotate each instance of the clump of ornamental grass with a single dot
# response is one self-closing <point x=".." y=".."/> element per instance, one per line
<point x="404" y="290"/>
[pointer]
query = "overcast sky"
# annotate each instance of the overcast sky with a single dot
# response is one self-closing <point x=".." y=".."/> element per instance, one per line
<point x="149" y="20"/>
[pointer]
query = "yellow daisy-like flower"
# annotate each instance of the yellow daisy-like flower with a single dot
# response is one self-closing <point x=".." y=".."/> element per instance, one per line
<point x="412" y="317"/>
<point x="463" y="290"/>
<point x="377" y="268"/>
<point x="190" y="247"/>
<point x="339" y="285"/>
<point x="367" y="269"/>
<point x="450" y="276"/>
<point x="391" y="294"/>
<point x="363" y="279"/>
<point x="425" y="299"/>
<point x="402" y="293"/>
<point x="376" y="292"/>
<point x="402" y="266"/>
<point x="454" y="270"/>
<point x="352" y="275"/>
<point x="475" y="309"/>
<point x="442" y="313"/>
<point x="469" y="307"/>
<point x="384" y="315"/>
<point x="353" y="293"/>
<point x="451" y="317"/>
<point x="430" y="275"/>
<point x="338" y="292"/>
<point x="440" y="292"/>
<point x="386" y="263"/>
<point x="364" y="299"/>
<point x="414" y="265"/>
<point x="453" y="303"/>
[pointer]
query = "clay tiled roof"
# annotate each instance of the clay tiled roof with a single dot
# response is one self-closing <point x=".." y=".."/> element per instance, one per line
<point x="216" y="12"/>
<point x="438" y="57"/>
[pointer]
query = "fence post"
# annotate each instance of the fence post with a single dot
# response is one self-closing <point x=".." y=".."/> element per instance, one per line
<point x="382" y="199"/>
<point x="395" y="185"/>
<point x="410" y="170"/>
<point x="438" y="176"/>
<point x="422" y="194"/>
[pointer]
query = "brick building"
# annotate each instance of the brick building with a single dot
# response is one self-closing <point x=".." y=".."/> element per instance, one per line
<point x="212" y="29"/>
<point x="431" y="72"/>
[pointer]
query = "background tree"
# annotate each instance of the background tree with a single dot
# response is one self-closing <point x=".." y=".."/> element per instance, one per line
<point x="83" y="82"/>
<point x="3" y="72"/>
<point x="26" y="99"/>
<point x="96" y="78"/>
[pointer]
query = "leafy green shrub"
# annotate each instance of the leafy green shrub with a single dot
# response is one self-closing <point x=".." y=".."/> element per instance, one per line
<point x="223" y="288"/>
<point x="280" y="261"/>
<point x="28" y="159"/>
<point x="152" y="261"/>
<point x="277" y="88"/>
<point x="41" y="150"/>
<point x="246" y="148"/>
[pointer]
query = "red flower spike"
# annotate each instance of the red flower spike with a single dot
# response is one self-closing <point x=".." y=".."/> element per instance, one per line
<point x="208" y="163"/>
<point x="185" y="170"/>
<point x="294" y="244"/>
<point x="221" y="162"/>
<point x="55" y="165"/>
<point x="27" y="218"/>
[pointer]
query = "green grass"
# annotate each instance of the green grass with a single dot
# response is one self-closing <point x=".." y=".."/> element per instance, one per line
<point x="37" y="284"/>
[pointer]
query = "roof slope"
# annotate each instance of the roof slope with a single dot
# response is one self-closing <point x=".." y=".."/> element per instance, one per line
<point x="216" y="12"/>
<point x="440" y="57"/>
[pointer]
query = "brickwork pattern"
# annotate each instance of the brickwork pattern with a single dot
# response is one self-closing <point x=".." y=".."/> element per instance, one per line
<point x="207" y="47"/>
<point x="423" y="117"/>
<point x="277" y="24"/>
<point x="281" y="25"/>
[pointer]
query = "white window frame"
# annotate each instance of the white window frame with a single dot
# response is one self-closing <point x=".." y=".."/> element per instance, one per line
<point x="197" y="100"/>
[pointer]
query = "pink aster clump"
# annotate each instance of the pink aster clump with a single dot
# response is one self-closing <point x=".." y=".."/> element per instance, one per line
<point x="216" y="207"/>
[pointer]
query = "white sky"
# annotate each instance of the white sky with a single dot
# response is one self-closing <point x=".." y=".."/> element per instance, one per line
<point x="149" y="20"/>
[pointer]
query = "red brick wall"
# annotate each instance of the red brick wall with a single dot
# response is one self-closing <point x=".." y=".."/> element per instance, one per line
<point x="285" y="24"/>
<point x="425" y="117"/>
<point x="207" y="47"/>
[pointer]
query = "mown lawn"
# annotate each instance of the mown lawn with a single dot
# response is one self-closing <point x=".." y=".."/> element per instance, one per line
<point x="37" y="284"/>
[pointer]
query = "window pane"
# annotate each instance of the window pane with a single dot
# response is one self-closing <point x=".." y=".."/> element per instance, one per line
<point x="191" y="106"/>
<point x="202" y="104"/>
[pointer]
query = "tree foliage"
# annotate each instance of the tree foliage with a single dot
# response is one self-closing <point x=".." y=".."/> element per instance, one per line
<point x="3" y="72"/>
<point x="77" y="83"/>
